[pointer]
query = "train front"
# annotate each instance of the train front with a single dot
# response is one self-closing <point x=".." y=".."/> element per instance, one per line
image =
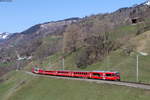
<point x="35" y="70"/>
<point x="117" y="76"/>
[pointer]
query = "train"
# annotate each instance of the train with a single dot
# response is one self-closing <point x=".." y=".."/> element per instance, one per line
<point x="101" y="75"/>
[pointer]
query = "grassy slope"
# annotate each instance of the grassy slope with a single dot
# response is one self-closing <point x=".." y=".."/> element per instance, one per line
<point x="6" y="64"/>
<point x="116" y="61"/>
<point x="19" y="86"/>
<point x="125" y="64"/>
<point x="12" y="81"/>
<point x="58" y="89"/>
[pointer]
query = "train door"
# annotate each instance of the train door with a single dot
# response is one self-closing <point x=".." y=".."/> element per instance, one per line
<point x="103" y="76"/>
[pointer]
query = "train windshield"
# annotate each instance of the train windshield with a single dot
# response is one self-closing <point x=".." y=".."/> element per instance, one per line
<point x="36" y="69"/>
<point x="112" y="74"/>
<point x="117" y="74"/>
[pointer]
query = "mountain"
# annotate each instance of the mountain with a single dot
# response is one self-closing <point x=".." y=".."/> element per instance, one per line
<point x="92" y="38"/>
<point x="37" y="42"/>
<point x="109" y="42"/>
<point x="96" y="36"/>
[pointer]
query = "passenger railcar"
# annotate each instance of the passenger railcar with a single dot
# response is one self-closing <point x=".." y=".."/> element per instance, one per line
<point x="102" y="75"/>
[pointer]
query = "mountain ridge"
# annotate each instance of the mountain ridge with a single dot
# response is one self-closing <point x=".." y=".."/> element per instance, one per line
<point x="94" y="36"/>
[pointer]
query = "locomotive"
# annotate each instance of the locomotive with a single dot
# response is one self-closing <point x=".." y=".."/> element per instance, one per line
<point x="101" y="75"/>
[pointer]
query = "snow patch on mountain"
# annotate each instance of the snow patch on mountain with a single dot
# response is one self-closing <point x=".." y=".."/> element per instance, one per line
<point x="4" y="35"/>
<point x="147" y="3"/>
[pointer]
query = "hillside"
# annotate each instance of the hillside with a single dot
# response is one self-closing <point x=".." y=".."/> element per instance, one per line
<point x="15" y="87"/>
<point x="37" y="42"/>
<point x="122" y="60"/>
<point x="108" y="42"/>
<point x="91" y="38"/>
<point x="31" y="88"/>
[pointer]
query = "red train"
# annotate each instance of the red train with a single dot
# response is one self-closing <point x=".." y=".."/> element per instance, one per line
<point x="102" y="75"/>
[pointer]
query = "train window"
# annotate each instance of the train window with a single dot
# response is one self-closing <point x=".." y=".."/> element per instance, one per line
<point x="85" y="73"/>
<point x="62" y="72"/>
<point x="81" y="73"/>
<point x="36" y="69"/>
<point x="108" y="74"/>
<point x="96" y="74"/>
<point x="117" y="74"/>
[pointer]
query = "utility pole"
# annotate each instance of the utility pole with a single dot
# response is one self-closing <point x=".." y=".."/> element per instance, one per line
<point x="63" y="63"/>
<point x="108" y="65"/>
<point x="137" y="64"/>
<point x="137" y="68"/>
<point x="107" y="50"/>
<point x="63" y="59"/>
<point x="108" y="58"/>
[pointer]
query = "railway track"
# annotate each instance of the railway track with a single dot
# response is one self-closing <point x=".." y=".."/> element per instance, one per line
<point x="121" y="83"/>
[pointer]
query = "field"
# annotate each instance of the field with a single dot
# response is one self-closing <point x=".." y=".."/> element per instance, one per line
<point x="39" y="88"/>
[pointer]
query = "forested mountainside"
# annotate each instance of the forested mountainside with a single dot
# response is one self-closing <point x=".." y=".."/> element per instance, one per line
<point x="92" y="37"/>
<point x="37" y="42"/>
<point x="100" y="34"/>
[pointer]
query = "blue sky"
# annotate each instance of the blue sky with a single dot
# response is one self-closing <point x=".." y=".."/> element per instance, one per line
<point x="19" y="15"/>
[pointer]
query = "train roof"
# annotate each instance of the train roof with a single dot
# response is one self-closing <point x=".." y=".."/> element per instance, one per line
<point x="87" y="71"/>
<point x="106" y="71"/>
<point x="84" y="71"/>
